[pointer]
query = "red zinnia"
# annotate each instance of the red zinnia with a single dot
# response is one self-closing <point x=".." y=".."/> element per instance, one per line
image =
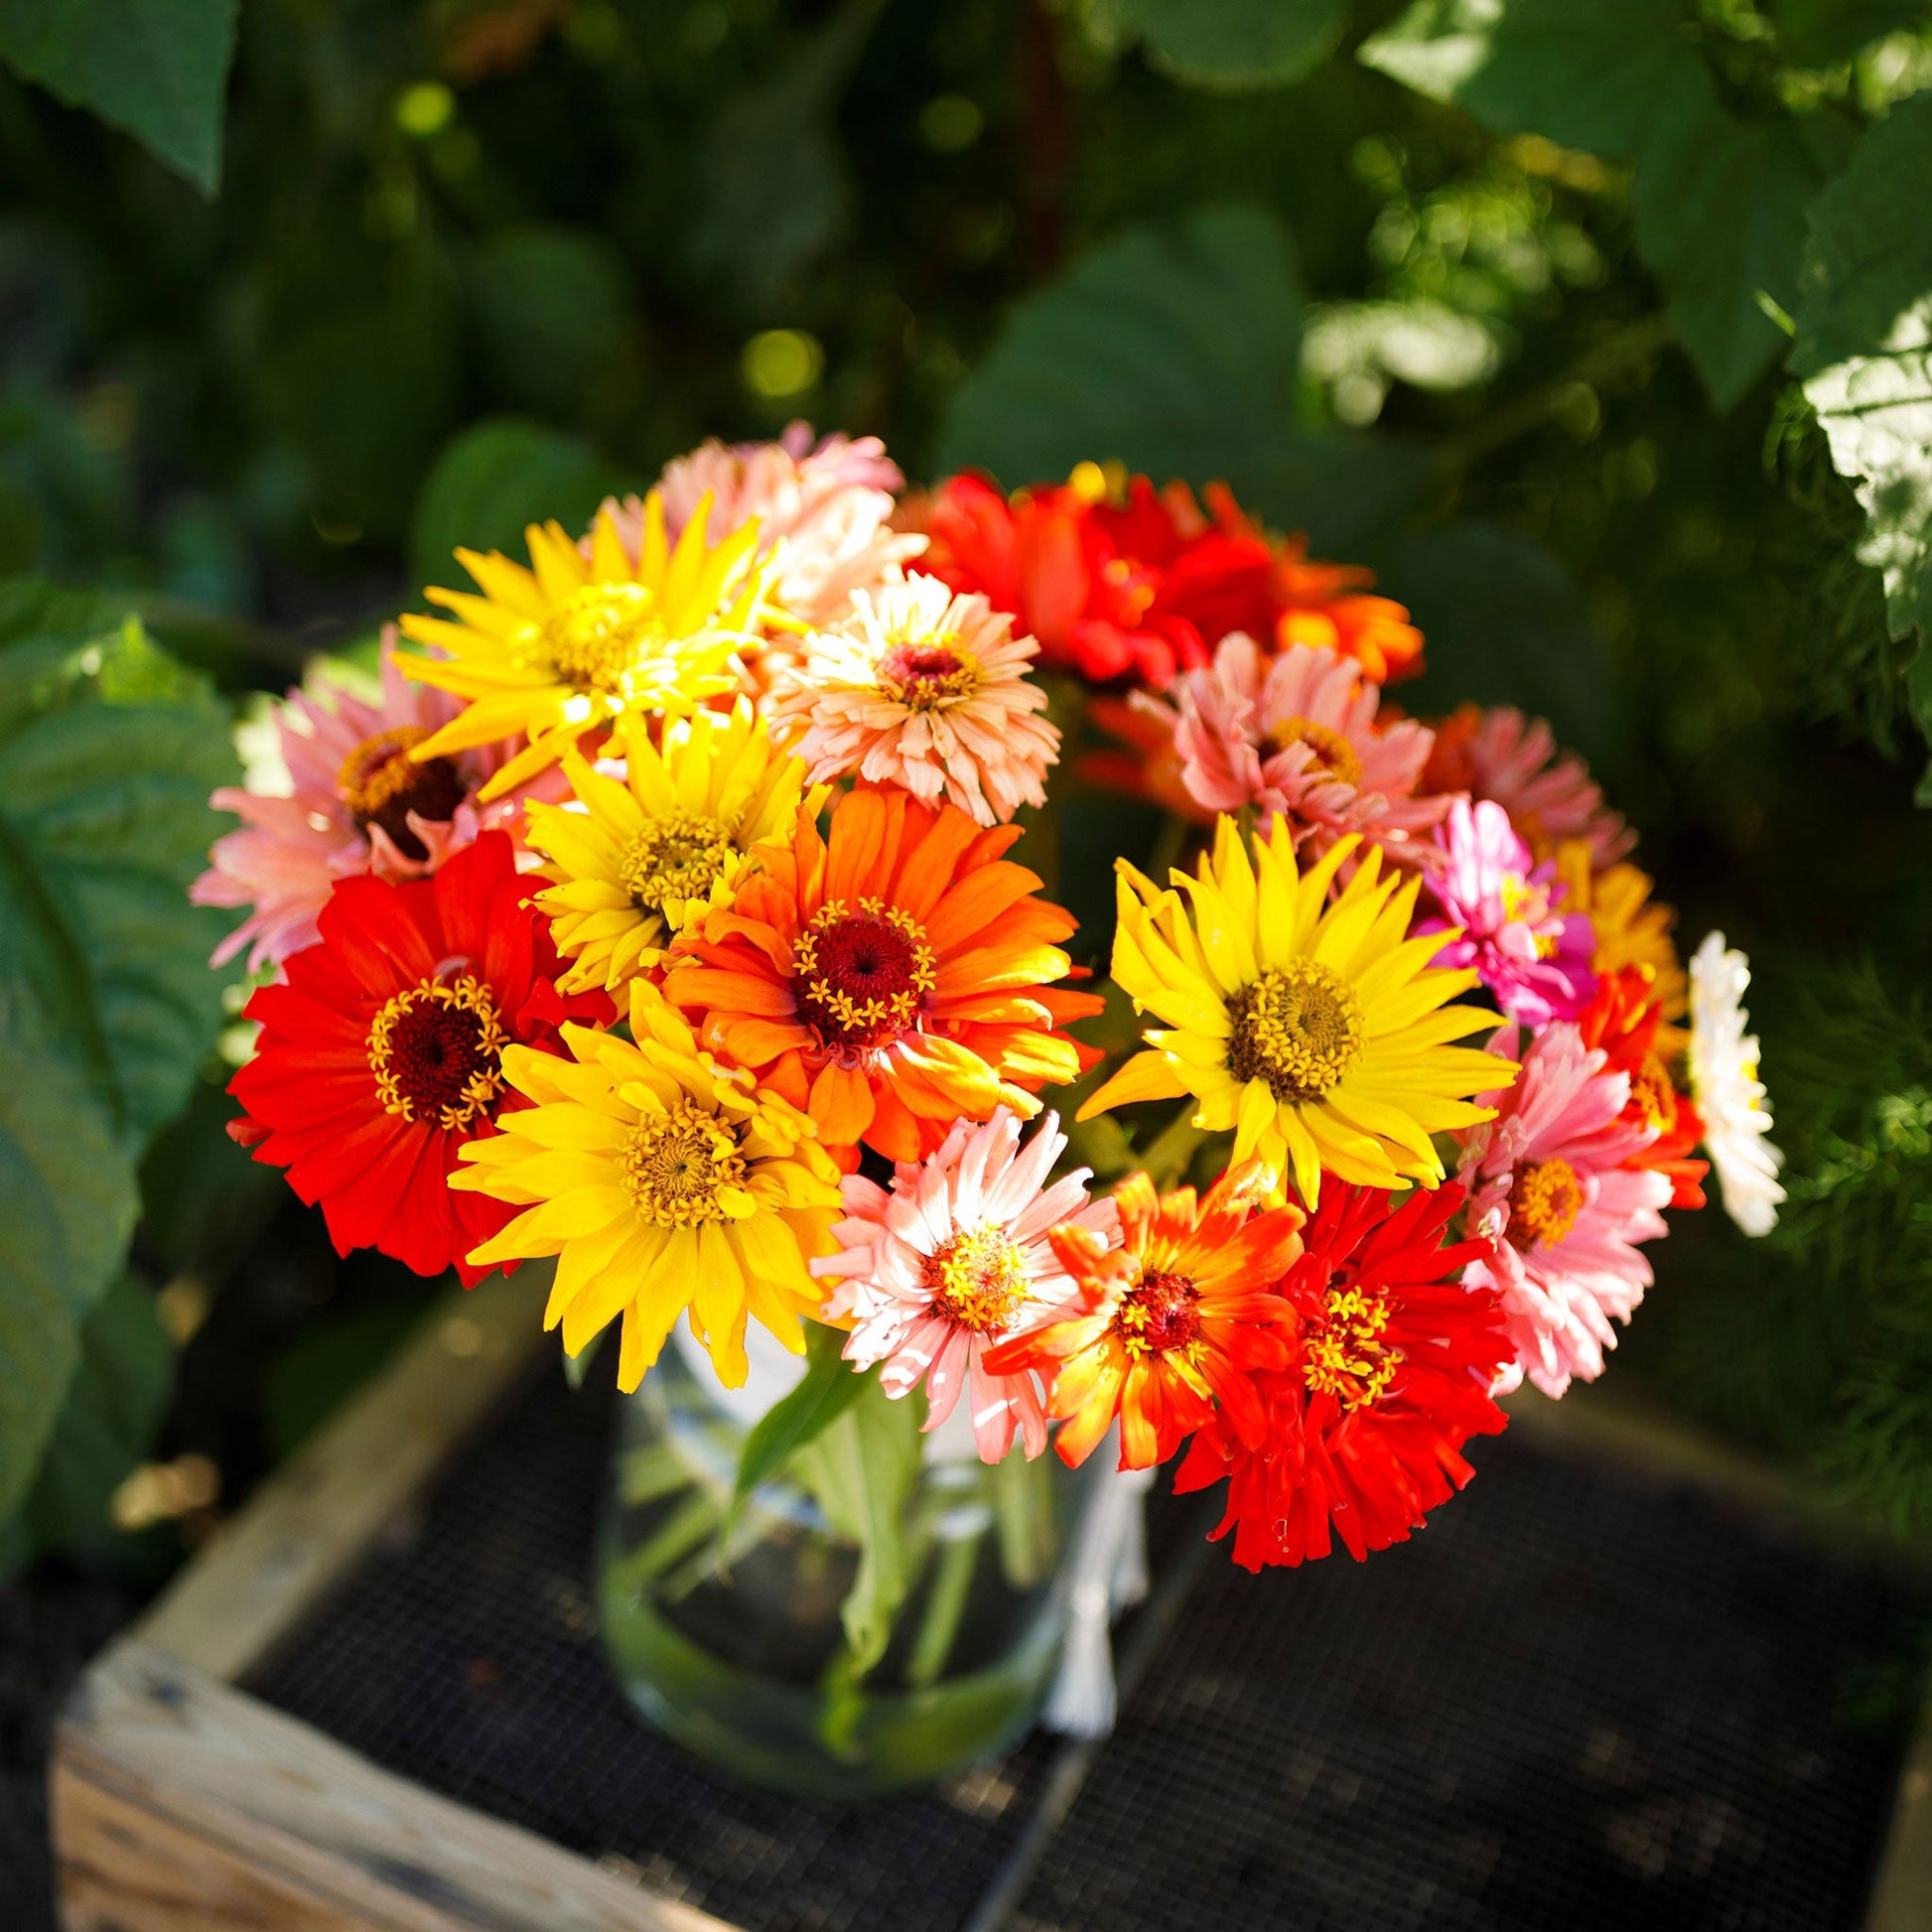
<point x="381" y="1053"/>
<point x="1390" y="1366"/>
<point x="1622" y="1019"/>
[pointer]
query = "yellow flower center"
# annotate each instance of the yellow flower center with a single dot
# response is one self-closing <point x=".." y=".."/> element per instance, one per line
<point x="1343" y="1354"/>
<point x="596" y="637"/>
<point x="1332" y="753"/>
<point x="677" y="857"/>
<point x="1159" y="1315"/>
<point x="862" y="976"/>
<point x="1654" y="1092"/>
<point x="382" y="785"/>
<point x="675" y="1164"/>
<point x="978" y="1280"/>
<point x="1545" y="1204"/>
<point x="928" y="673"/>
<point x="1299" y="1028"/>
<point x="436" y="1052"/>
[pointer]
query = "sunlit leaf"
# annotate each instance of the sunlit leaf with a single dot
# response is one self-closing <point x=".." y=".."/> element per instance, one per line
<point x="1232" y="44"/>
<point x="829" y="1388"/>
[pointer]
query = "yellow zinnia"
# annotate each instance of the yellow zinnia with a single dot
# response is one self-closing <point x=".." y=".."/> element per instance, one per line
<point x="648" y="854"/>
<point x="1316" y="1033"/>
<point x="661" y="1182"/>
<point x="575" y="644"/>
<point x="1631" y="931"/>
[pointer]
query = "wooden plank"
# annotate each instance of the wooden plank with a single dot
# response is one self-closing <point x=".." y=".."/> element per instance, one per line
<point x="181" y="1803"/>
<point x="306" y="1526"/>
<point x="1901" y="1894"/>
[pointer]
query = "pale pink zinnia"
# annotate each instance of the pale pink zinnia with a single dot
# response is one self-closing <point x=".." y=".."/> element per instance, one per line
<point x="1500" y="754"/>
<point x="358" y="803"/>
<point x="827" y="500"/>
<point x="1295" y="735"/>
<point x="1548" y="1184"/>
<point x="934" y="1270"/>
<point x="925" y="690"/>
<point x="1533" y="958"/>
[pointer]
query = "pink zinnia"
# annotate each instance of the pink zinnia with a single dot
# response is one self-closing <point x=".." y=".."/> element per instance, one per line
<point x="358" y="803"/>
<point x="1501" y="754"/>
<point x="828" y="501"/>
<point x="1534" y="959"/>
<point x="952" y="1257"/>
<point x="1295" y="736"/>
<point x="1548" y="1185"/>
<point x="927" y="691"/>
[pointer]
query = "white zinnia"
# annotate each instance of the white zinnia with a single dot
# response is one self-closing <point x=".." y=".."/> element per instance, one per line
<point x="1727" y="1091"/>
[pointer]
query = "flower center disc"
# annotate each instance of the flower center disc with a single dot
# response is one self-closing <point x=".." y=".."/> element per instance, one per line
<point x="674" y="1166"/>
<point x="598" y="633"/>
<point x="1344" y="1354"/>
<point x="676" y="857"/>
<point x="1652" y="1088"/>
<point x="1298" y="1028"/>
<point x="925" y="676"/>
<point x="382" y="785"/>
<point x="977" y="1280"/>
<point x="1332" y="753"/>
<point x="436" y="1052"/>
<point x="1161" y="1312"/>
<point x="1545" y="1204"/>
<point x="859" y="976"/>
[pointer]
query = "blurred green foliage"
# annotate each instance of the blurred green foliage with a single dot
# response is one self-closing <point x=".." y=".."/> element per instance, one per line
<point x="1502" y="297"/>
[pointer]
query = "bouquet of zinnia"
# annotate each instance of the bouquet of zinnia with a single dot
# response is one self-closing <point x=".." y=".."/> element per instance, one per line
<point x="661" y="916"/>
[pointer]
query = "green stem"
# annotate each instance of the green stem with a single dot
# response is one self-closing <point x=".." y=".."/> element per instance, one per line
<point x="945" y="1605"/>
<point x="1168" y="1154"/>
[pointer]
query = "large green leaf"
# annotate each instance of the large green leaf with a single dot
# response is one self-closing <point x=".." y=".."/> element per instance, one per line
<point x="1719" y="201"/>
<point x="67" y="1209"/>
<point x="1177" y="353"/>
<point x="1231" y="44"/>
<point x="552" y="308"/>
<point x="495" y="479"/>
<point x="107" y="755"/>
<point x="155" y="68"/>
<point x="1864" y="348"/>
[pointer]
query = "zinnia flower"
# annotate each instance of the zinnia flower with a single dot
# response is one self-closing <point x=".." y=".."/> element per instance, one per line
<point x="1316" y="1033"/>
<point x="892" y="978"/>
<point x="827" y="502"/>
<point x="1295" y="736"/>
<point x="1551" y="1185"/>
<point x="358" y="803"/>
<point x="1179" y="1317"/>
<point x="1501" y="908"/>
<point x="1391" y="1359"/>
<point x="1729" y="1095"/>
<point x="1631" y="929"/>
<point x="663" y="1183"/>
<point x="934" y="1270"/>
<point x="1624" y="1021"/>
<point x="381" y="1053"/>
<point x="928" y="691"/>
<point x="1501" y="754"/>
<point x="575" y="644"/>
<point x="647" y="854"/>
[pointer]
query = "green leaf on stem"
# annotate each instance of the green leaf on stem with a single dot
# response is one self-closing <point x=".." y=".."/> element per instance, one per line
<point x="1229" y="46"/>
<point x="830" y="1387"/>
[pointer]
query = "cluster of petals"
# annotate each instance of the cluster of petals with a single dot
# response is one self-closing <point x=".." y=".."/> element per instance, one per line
<point x="1498" y="754"/>
<point x="1391" y="1364"/>
<point x="1551" y="1185"/>
<point x="1500" y="909"/>
<point x="1294" y="736"/>
<point x="926" y="689"/>
<point x="357" y="803"/>
<point x="1730" y="1096"/>
<point x="932" y="1271"/>
<point x="1626" y="1022"/>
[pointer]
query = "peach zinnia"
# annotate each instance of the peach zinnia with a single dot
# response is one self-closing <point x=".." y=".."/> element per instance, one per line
<point x="891" y="978"/>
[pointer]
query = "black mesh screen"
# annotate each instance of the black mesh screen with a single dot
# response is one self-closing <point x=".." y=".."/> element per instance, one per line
<point x="1575" y="1702"/>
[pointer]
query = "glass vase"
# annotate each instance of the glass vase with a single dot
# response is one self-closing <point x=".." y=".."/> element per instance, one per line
<point x="847" y="1634"/>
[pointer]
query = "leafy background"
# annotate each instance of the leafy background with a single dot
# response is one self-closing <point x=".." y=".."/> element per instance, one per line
<point x="1601" y="330"/>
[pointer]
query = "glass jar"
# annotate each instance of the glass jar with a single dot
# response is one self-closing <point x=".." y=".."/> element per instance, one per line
<point x="767" y="1646"/>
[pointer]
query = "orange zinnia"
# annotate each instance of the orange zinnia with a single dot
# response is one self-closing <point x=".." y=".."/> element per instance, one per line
<point x="1177" y="1318"/>
<point x="890" y="979"/>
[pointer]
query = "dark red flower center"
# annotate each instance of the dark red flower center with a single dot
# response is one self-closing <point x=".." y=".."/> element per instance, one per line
<point x="382" y="785"/>
<point x="1160" y="1313"/>
<point x="924" y="675"/>
<point x="436" y="1052"/>
<point x="861" y="976"/>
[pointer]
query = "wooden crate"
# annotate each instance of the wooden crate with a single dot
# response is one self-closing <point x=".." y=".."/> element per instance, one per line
<point x="183" y="1804"/>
